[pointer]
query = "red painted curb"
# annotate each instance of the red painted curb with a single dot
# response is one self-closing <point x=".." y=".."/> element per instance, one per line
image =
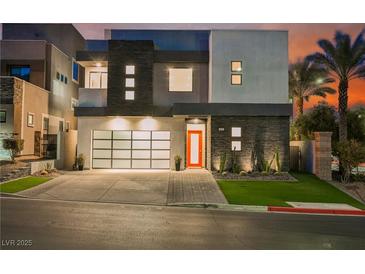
<point x="316" y="210"/>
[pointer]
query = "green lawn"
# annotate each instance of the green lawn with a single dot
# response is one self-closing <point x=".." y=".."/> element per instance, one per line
<point x="308" y="189"/>
<point x="22" y="184"/>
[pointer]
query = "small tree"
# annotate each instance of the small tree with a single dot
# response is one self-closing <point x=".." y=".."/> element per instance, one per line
<point x="351" y="154"/>
<point x="14" y="146"/>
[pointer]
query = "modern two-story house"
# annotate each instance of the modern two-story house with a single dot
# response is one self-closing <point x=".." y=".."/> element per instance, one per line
<point x="39" y="84"/>
<point x="152" y="95"/>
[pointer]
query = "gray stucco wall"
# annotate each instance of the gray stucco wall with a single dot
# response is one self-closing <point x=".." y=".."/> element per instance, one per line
<point x="61" y="93"/>
<point x="161" y="94"/>
<point x="88" y="124"/>
<point x="264" y="55"/>
<point x="260" y="134"/>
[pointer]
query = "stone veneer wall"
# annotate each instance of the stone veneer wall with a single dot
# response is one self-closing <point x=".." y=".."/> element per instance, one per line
<point x="264" y="133"/>
<point x="322" y="155"/>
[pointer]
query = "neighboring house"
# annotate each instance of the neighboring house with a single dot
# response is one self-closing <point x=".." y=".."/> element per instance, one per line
<point x="23" y="106"/>
<point x="40" y="58"/>
<point x="152" y="95"/>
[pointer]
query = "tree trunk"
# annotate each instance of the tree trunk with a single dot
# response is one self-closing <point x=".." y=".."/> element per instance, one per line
<point x="300" y="105"/>
<point x="342" y="109"/>
<point x="342" y="124"/>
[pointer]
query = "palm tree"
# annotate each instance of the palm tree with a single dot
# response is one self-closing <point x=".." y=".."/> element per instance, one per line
<point x="345" y="61"/>
<point x="307" y="79"/>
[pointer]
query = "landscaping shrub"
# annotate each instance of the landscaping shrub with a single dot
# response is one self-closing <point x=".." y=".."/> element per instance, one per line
<point x="14" y="146"/>
<point x="351" y="154"/>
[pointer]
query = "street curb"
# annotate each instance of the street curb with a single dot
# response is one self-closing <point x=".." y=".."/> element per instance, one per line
<point x="13" y="195"/>
<point x="317" y="211"/>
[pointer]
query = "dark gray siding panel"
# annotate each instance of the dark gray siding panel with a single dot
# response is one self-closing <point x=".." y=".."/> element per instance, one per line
<point x="140" y="54"/>
<point x="229" y="109"/>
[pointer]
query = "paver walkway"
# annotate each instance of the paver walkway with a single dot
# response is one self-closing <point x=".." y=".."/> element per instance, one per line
<point x="194" y="187"/>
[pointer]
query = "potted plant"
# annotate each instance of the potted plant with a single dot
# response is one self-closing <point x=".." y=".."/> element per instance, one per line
<point x="177" y="162"/>
<point x="80" y="160"/>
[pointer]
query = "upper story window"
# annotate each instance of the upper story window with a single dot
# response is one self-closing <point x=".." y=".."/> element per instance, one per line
<point x="98" y="79"/>
<point x="129" y="70"/>
<point x="236" y="66"/>
<point x="236" y="73"/>
<point x="129" y="82"/>
<point x="236" y="132"/>
<point x="30" y="119"/>
<point x="236" y="79"/>
<point x="181" y="79"/>
<point x="75" y="71"/>
<point x="2" y="116"/>
<point x="20" y="71"/>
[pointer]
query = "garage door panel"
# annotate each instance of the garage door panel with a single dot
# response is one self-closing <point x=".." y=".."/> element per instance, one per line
<point x="121" y="163"/>
<point x="122" y="134"/>
<point x="102" y="134"/>
<point x="141" y="135"/>
<point x="160" y="163"/>
<point x="101" y="163"/>
<point x="102" y="153"/>
<point x="160" y="144"/>
<point x="131" y="149"/>
<point x="141" y="154"/>
<point x="103" y="144"/>
<point x="122" y="154"/>
<point x="122" y="144"/>
<point x="160" y="135"/>
<point x="141" y="163"/>
<point x="160" y="154"/>
<point x="141" y="144"/>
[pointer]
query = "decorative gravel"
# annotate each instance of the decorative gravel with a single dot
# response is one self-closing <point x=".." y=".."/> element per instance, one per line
<point x="255" y="176"/>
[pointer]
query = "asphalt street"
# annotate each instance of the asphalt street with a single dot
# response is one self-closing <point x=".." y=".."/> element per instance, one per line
<point x="47" y="224"/>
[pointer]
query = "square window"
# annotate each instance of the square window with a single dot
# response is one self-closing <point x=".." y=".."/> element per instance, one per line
<point x="129" y="82"/>
<point x="181" y="79"/>
<point x="236" y="145"/>
<point x="236" y="79"/>
<point x="236" y="66"/>
<point x="58" y="75"/>
<point x="2" y="116"/>
<point x="236" y="132"/>
<point x="30" y="119"/>
<point x="130" y="69"/>
<point x="65" y="80"/>
<point x="129" y="95"/>
<point x="62" y="77"/>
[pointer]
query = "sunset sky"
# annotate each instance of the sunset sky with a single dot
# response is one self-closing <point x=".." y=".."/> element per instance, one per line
<point x="302" y="41"/>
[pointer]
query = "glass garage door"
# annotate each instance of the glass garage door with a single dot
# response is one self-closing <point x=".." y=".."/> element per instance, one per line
<point x="131" y="149"/>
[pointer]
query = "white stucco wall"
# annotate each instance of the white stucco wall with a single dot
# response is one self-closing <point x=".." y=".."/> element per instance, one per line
<point x="175" y="125"/>
<point x="264" y="55"/>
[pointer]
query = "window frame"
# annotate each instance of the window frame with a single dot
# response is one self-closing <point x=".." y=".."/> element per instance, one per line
<point x="3" y="121"/>
<point x="73" y="100"/>
<point x="33" y="122"/>
<point x="192" y="79"/>
<point x="126" y="69"/>
<point x="72" y="70"/>
<point x="236" y="74"/>
<point x="236" y="141"/>
<point x="236" y="61"/>
<point x="130" y="92"/>
<point x="240" y="129"/>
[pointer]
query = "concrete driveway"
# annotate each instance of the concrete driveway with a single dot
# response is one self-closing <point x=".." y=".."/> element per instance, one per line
<point x="129" y="186"/>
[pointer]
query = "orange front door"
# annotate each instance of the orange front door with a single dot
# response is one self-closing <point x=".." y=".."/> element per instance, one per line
<point x="194" y="150"/>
